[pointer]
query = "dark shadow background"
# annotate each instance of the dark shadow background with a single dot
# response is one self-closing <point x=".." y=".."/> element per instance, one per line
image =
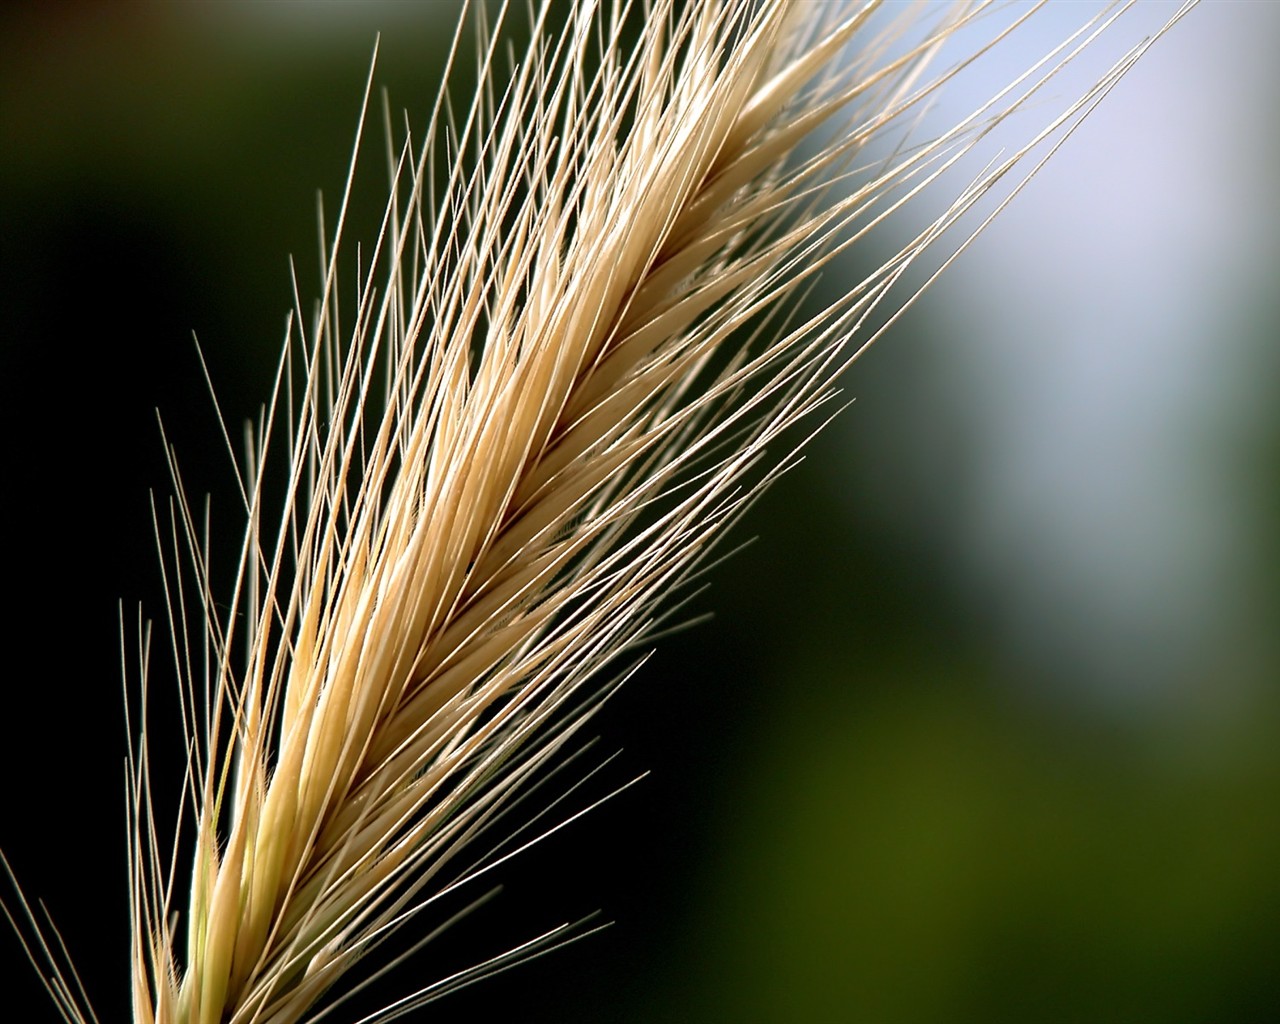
<point x="863" y="805"/>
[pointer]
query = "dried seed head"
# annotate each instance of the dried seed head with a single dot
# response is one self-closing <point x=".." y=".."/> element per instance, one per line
<point x="569" y="353"/>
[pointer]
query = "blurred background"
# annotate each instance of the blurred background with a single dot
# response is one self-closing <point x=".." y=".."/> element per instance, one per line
<point x="987" y="725"/>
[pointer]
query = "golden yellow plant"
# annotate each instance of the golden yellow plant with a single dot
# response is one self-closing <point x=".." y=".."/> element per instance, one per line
<point x="565" y="361"/>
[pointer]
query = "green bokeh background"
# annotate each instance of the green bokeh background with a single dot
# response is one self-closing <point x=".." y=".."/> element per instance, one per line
<point x="862" y="806"/>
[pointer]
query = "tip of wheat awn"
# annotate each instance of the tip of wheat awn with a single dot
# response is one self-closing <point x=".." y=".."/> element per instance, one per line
<point x="512" y="429"/>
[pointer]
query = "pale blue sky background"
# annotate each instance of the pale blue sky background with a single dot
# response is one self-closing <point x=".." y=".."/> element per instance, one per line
<point x="1105" y="348"/>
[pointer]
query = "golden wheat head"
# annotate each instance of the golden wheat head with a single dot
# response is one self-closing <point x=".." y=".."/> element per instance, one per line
<point x="503" y="441"/>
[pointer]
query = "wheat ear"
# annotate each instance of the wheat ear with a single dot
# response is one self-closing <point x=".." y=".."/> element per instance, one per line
<point x="554" y="393"/>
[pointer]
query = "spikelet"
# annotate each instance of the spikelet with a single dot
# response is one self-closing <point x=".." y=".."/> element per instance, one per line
<point x="553" y="395"/>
